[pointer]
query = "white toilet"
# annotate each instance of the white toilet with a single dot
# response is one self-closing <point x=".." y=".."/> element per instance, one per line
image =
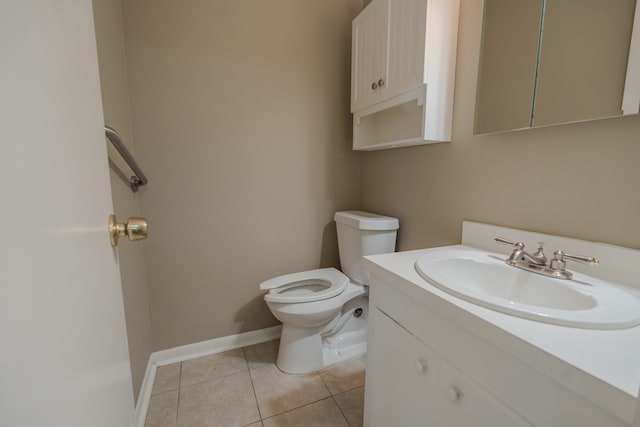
<point x="324" y="312"/>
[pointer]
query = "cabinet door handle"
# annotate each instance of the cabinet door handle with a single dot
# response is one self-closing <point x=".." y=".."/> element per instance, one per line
<point x="380" y="82"/>
<point x="374" y="85"/>
<point x="420" y="365"/>
<point x="453" y="394"/>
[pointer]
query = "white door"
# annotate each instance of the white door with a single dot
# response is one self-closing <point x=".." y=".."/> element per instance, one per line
<point x="63" y="349"/>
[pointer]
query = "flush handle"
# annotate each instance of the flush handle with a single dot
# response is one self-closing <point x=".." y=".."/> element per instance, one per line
<point x="135" y="229"/>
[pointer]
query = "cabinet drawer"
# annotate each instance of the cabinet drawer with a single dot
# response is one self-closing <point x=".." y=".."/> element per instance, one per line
<point x="402" y="382"/>
<point x="467" y="404"/>
<point x="408" y="384"/>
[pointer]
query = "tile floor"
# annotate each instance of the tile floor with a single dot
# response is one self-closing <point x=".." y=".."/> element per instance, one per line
<point x="243" y="387"/>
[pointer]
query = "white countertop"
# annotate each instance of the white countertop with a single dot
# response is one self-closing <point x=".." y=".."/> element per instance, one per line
<point x="603" y="366"/>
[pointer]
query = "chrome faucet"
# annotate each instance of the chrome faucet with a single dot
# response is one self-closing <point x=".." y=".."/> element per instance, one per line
<point x="520" y="255"/>
<point x="538" y="262"/>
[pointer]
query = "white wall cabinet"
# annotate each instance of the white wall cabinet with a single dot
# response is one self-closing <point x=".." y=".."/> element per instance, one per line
<point x="402" y="72"/>
<point x="388" y="50"/>
<point x="369" y="50"/>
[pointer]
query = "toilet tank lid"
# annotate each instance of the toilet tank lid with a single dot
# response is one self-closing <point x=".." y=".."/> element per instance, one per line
<point x="366" y="221"/>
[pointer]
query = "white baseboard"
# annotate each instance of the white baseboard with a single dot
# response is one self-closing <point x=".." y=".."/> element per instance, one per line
<point x="193" y="351"/>
<point x="142" y="406"/>
<point x="217" y="345"/>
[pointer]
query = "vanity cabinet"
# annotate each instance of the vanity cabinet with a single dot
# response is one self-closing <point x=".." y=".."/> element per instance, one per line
<point x="402" y="72"/>
<point x="425" y="369"/>
<point x="417" y="387"/>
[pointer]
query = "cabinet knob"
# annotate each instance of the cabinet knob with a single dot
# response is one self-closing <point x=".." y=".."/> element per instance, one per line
<point x="380" y="82"/>
<point x="374" y="85"/>
<point x="453" y="394"/>
<point x="420" y="365"/>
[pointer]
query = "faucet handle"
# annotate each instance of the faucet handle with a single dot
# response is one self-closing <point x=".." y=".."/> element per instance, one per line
<point x="539" y="254"/>
<point x="558" y="262"/>
<point x="540" y="250"/>
<point x="502" y="240"/>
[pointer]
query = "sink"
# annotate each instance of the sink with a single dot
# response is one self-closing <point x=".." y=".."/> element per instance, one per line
<point x="484" y="279"/>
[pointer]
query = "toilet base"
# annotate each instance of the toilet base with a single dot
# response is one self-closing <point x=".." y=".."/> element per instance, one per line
<point x="306" y="350"/>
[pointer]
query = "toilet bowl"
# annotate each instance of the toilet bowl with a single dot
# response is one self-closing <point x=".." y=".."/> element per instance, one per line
<point x="324" y="311"/>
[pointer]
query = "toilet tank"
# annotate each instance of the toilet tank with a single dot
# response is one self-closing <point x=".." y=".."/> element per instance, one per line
<point x="362" y="233"/>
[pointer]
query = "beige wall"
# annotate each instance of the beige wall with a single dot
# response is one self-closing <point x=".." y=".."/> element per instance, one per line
<point x="578" y="180"/>
<point x="240" y="113"/>
<point x="113" y="80"/>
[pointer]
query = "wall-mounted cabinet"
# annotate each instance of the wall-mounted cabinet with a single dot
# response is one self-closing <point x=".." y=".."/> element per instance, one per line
<point x="402" y="72"/>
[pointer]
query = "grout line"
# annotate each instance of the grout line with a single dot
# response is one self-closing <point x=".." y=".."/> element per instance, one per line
<point x="204" y="380"/>
<point x="244" y="354"/>
<point x="179" y="393"/>
<point x="340" y="409"/>
<point x="302" y="406"/>
<point x="213" y="379"/>
<point x="173" y="390"/>
<point x="253" y="387"/>
<point x="324" y="382"/>
<point x="348" y="390"/>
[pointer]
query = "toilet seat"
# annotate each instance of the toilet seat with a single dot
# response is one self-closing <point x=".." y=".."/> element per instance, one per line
<point x="306" y="286"/>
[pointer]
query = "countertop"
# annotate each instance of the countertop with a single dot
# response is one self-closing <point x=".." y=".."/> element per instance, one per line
<point x="603" y="366"/>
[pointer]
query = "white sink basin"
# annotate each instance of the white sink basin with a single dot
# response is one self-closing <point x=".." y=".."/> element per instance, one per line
<point x="484" y="279"/>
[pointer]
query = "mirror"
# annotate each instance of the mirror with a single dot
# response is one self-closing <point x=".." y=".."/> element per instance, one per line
<point x="548" y="62"/>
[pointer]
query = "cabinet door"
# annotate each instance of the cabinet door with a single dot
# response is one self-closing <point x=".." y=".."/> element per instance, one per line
<point x="464" y="403"/>
<point x="401" y="387"/>
<point x="366" y="55"/>
<point x="404" y="66"/>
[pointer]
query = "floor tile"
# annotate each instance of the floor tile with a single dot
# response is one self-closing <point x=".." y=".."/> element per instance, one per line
<point x="346" y="376"/>
<point x="258" y="424"/>
<point x="352" y="405"/>
<point x="324" y="413"/>
<point x="211" y="367"/>
<point x="162" y="410"/>
<point x="228" y="401"/>
<point x="263" y="354"/>
<point x="278" y="392"/>
<point x="167" y="379"/>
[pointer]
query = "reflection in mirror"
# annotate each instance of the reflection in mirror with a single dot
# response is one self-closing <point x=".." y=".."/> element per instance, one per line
<point x="508" y="61"/>
<point x="547" y="62"/>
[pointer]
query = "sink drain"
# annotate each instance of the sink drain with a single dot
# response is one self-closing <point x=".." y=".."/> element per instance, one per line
<point x="357" y="312"/>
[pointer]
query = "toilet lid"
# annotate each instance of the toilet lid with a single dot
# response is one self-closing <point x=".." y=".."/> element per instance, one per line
<point x="307" y="286"/>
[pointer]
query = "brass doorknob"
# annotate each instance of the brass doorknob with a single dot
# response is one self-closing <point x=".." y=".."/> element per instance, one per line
<point x="134" y="229"/>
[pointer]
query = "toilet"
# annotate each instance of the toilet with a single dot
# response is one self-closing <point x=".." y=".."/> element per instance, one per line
<point x="324" y="311"/>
